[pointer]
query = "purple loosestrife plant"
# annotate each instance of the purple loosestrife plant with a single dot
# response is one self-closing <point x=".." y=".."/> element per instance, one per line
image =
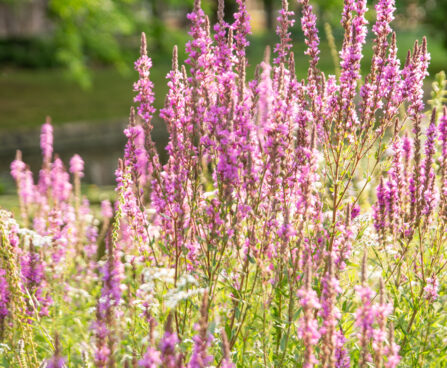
<point x="226" y="361"/>
<point x="168" y="345"/>
<point x="242" y="154"/>
<point x="285" y="22"/>
<point x="25" y="185"/>
<point x="273" y="189"/>
<point x="34" y="282"/>
<point x="107" y="307"/>
<point x="443" y="159"/>
<point x="151" y="359"/>
<point x="308" y="325"/>
<point x="408" y="217"/>
<point x="4" y="301"/>
<point x="330" y="316"/>
<point x="56" y="251"/>
<point x="57" y="360"/>
<point x="371" y="321"/>
<point x="46" y="141"/>
<point x="200" y="357"/>
<point x="54" y="205"/>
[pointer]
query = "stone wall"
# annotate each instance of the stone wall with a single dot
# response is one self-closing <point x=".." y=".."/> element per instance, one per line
<point x="24" y="18"/>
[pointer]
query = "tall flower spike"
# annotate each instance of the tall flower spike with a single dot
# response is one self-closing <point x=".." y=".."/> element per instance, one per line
<point x="106" y="209"/>
<point x="60" y="182"/>
<point x="308" y="325"/>
<point x="57" y="361"/>
<point x="226" y="362"/>
<point x="312" y="40"/>
<point x="33" y="279"/>
<point x="372" y="91"/>
<point x="391" y="81"/>
<point x="200" y="357"/>
<point x="414" y="74"/>
<point x="342" y="358"/>
<point x="4" y="301"/>
<point x="198" y="49"/>
<point x="382" y="311"/>
<point x="46" y="141"/>
<point x="106" y="310"/>
<point x="170" y="199"/>
<point x="146" y="156"/>
<point x="25" y="185"/>
<point x="283" y="31"/>
<point x="144" y="86"/>
<point x="135" y="154"/>
<point x="392" y="351"/>
<point x="443" y="142"/>
<point x="169" y="357"/>
<point x="428" y="171"/>
<point x="145" y="99"/>
<point x="396" y="182"/>
<point x="364" y="316"/>
<point x="379" y="209"/>
<point x="222" y="49"/>
<point x="351" y="55"/>
<point x="241" y="29"/>
<point x="77" y="169"/>
<point x="407" y="152"/>
<point x="151" y="359"/>
<point x="265" y="88"/>
<point x="329" y="314"/>
<point x="201" y="83"/>
<point x="77" y="166"/>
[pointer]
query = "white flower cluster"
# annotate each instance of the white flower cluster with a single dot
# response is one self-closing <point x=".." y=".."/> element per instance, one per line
<point x="369" y="237"/>
<point x="184" y="287"/>
<point x="28" y="235"/>
<point x="4" y="348"/>
<point x="74" y="292"/>
<point x="7" y="220"/>
<point x="158" y="274"/>
<point x="148" y="301"/>
<point x="183" y="291"/>
<point x="186" y="280"/>
<point x="145" y="293"/>
<point x="174" y="296"/>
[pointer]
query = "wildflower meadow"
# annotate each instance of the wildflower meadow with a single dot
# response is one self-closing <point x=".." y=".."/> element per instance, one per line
<point x="295" y="223"/>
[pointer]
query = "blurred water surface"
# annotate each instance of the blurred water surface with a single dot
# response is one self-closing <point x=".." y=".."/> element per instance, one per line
<point x="99" y="144"/>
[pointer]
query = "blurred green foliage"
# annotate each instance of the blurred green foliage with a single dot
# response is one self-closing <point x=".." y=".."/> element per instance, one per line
<point x="27" y="52"/>
<point x="86" y="33"/>
<point x="91" y="28"/>
<point x="436" y="18"/>
<point x="89" y="33"/>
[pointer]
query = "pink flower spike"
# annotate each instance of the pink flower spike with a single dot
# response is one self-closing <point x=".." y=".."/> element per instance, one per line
<point x="77" y="166"/>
